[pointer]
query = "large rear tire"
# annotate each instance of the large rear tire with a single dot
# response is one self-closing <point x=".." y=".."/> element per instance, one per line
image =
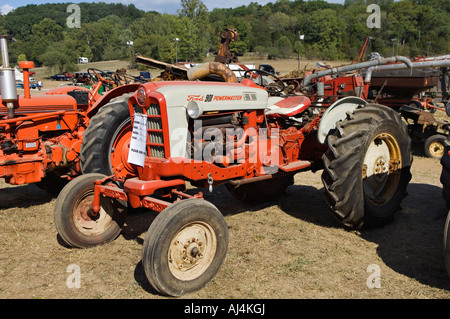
<point x="447" y="244"/>
<point x="185" y="247"/>
<point x="445" y="174"/>
<point x="106" y="140"/>
<point x="75" y="221"/>
<point x="367" y="166"/>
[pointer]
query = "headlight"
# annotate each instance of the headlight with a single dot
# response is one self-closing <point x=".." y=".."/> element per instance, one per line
<point x="141" y="96"/>
<point x="194" y="110"/>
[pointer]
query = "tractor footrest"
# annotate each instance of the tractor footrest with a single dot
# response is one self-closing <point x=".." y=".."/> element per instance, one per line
<point x="295" y="166"/>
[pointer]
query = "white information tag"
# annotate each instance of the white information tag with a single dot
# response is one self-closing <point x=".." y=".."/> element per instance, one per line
<point x="138" y="144"/>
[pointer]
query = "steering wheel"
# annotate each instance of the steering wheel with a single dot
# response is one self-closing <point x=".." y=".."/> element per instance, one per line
<point x="101" y="75"/>
<point x="273" y="87"/>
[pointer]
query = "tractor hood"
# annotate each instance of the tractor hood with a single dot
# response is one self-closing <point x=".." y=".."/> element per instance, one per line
<point x="42" y="103"/>
<point x="211" y="96"/>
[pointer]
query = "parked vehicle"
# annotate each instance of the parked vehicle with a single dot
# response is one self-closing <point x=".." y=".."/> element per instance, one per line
<point x="249" y="137"/>
<point x="42" y="137"/>
<point x="62" y="77"/>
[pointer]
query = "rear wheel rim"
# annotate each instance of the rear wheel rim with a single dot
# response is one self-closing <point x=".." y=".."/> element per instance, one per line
<point x="119" y="148"/>
<point x="381" y="169"/>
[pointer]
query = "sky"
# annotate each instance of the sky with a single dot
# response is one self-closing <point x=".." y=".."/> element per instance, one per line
<point x="163" y="6"/>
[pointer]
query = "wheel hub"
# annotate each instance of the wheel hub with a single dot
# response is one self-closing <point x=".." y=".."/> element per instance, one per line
<point x="381" y="164"/>
<point x="192" y="250"/>
<point x="85" y="215"/>
<point x="380" y="169"/>
<point x="437" y="149"/>
<point x="191" y="253"/>
<point x="86" y="220"/>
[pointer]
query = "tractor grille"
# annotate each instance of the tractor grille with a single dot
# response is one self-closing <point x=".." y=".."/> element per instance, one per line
<point x="155" y="131"/>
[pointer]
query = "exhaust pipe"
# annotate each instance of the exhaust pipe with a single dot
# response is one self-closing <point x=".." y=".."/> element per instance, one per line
<point x="202" y="70"/>
<point x="8" y="89"/>
<point x="434" y="63"/>
<point x="357" y="66"/>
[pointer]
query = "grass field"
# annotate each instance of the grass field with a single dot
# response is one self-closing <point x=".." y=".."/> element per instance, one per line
<point x="292" y="248"/>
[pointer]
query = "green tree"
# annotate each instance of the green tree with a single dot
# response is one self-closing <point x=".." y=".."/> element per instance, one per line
<point x="2" y="24"/>
<point x="21" y="57"/>
<point x="324" y="33"/>
<point x="47" y="33"/>
<point x="193" y="9"/>
<point x="284" y="47"/>
<point x="331" y="30"/>
<point x="403" y="16"/>
<point x="60" y="57"/>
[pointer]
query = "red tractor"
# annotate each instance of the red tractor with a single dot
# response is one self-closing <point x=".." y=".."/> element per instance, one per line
<point x="249" y="137"/>
<point x="51" y="138"/>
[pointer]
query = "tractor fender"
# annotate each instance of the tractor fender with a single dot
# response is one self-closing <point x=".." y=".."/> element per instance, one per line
<point x="107" y="97"/>
<point x="335" y="113"/>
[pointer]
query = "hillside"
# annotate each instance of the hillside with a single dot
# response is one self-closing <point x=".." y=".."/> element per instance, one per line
<point x="331" y="31"/>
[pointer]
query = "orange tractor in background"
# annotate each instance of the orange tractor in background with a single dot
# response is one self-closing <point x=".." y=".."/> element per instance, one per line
<point x="51" y="138"/>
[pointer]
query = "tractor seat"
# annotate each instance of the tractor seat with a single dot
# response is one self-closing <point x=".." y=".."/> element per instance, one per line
<point x="287" y="107"/>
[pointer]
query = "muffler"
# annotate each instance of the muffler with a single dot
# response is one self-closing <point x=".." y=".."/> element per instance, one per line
<point x="8" y="89"/>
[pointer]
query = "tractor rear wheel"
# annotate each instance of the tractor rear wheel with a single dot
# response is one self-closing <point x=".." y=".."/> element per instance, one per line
<point x="367" y="166"/>
<point x="262" y="191"/>
<point x="185" y="247"/>
<point x="75" y="221"/>
<point x="106" y="141"/>
<point x="445" y="173"/>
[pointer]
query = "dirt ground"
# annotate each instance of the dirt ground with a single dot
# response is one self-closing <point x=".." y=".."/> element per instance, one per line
<point x="289" y="249"/>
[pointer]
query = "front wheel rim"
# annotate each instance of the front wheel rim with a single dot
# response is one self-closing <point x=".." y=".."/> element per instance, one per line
<point x="86" y="221"/>
<point x="381" y="169"/>
<point x="436" y="149"/>
<point x="192" y="251"/>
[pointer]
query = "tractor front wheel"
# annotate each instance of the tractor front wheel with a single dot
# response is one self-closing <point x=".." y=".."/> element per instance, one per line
<point x="367" y="166"/>
<point x="185" y="247"/>
<point x="75" y="220"/>
<point x="434" y="146"/>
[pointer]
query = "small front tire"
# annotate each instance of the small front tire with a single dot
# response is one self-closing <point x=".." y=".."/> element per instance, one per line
<point x="185" y="247"/>
<point x="434" y="146"/>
